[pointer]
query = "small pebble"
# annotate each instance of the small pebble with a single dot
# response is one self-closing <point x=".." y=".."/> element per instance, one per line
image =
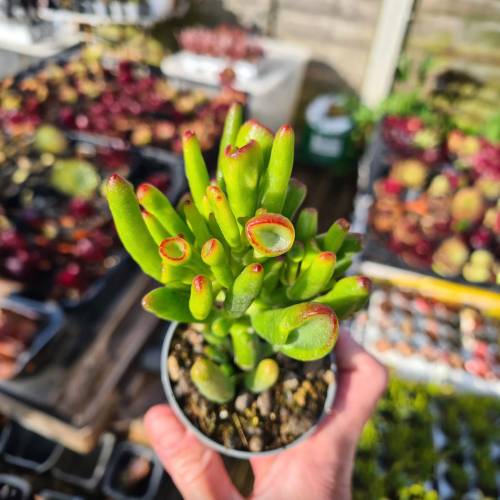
<point x="182" y="387"/>
<point x="290" y="381"/>
<point x="329" y="377"/>
<point x="173" y="368"/>
<point x="255" y="443"/>
<point x="300" y="397"/>
<point x="242" y="402"/>
<point x="194" y="338"/>
<point x="307" y="386"/>
<point x="264" y="403"/>
<point x="284" y="414"/>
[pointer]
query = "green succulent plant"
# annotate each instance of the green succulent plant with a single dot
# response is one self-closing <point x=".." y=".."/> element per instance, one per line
<point x="231" y="256"/>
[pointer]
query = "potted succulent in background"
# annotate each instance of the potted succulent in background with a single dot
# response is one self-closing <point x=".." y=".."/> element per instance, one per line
<point x="262" y="295"/>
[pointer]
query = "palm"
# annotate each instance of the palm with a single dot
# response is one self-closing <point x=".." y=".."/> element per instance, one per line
<point x="318" y="468"/>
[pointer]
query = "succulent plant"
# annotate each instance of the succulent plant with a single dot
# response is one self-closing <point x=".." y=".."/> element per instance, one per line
<point x="450" y="257"/>
<point x="479" y="269"/>
<point x="467" y="208"/>
<point x="231" y="257"/>
<point x="411" y="173"/>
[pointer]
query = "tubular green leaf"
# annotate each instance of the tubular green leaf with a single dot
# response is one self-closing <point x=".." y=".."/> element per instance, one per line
<point x="241" y="176"/>
<point x="342" y="265"/>
<point x="277" y="176"/>
<point x="245" y="289"/>
<point x="232" y="124"/>
<point x="263" y="377"/>
<point x="215" y="353"/>
<point x="155" y="228"/>
<point x="196" y="222"/>
<point x="295" y="195"/>
<point x="353" y="244"/>
<point x="220" y="326"/>
<point x="170" y="303"/>
<point x="156" y="203"/>
<point x="196" y="170"/>
<point x="336" y="235"/>
<point x="131" y="227"/>
<point x="224" y="216"/>
<point x="305" y="332"/>
<point x="211" y="381"/>
<point x="347" y="296"/>
<point x="214" y="255"/>
<point x="176" y="274"/>
<point x="201" y="298"/>
<point x="310" y="252"/>
<point x="252" y="129"/>
<point x="314" y="279"/>
<point x="306" y="226"/>
<point x="245" y="346"/>
<point x="176" y="251"/>
<point x="270" y="234"/>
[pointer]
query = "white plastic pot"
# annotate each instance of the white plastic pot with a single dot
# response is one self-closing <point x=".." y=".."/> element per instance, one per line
<point x="172" y="401"/>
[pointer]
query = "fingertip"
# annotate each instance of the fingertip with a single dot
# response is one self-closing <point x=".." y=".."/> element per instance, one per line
<point x="161" y="424"/>
<point x="155" y="413"/>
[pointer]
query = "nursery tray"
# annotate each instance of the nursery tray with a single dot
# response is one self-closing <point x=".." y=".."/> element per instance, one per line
<point x="142" y="163"/>
<point x="72" y="399"/>
<point x="368" y="330"/>
<point x="487" y="301"/>
<point x="374" y="165"/>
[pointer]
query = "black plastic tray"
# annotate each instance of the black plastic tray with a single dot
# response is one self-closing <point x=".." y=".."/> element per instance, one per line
<point x="22" y="486"/>
<point x="51" y="319"/>
<point x="124" y="451"/>
<point x="375" y="165"/>
<point x="26" y="449"/>
<point x="85" y="471"/>
<point x="144" y="161"/>
<point x="57" y="495"/>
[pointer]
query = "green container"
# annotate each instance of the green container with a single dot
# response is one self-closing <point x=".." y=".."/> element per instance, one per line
<point x="327" y="140"/>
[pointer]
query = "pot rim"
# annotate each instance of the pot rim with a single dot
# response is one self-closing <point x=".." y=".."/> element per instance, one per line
<point x="230" y="452"/>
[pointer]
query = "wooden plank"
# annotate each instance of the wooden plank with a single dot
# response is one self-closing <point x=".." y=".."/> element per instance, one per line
<point x="386" y="48"/>
<point x="435" y="288"/>
<point x="79" y="400"/>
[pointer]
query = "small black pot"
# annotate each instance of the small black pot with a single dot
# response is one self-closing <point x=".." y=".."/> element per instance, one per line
<point x="52" y="320"/>
<point x="15" y="487"/>
<point x="85" y="471"/>
<point x="26" y="449"/>
<point x="122" y="456"/>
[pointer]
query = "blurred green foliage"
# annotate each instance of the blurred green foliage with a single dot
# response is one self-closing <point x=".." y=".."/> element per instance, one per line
<point x="396" y="456"/>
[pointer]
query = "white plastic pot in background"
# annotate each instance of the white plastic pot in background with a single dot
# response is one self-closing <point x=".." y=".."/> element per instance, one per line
<point x="160" y="9"/>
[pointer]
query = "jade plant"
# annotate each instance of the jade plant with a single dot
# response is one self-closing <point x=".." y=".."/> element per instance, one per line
<point x="239" y="256"/>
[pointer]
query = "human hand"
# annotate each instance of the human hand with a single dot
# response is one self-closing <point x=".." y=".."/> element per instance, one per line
<point x="319" y="468"/>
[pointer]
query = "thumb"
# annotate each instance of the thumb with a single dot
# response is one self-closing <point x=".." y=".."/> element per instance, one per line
<point x="197" y="471"/>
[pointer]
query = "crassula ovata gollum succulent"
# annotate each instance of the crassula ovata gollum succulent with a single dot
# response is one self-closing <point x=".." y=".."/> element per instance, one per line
<point x="229" y="256"/>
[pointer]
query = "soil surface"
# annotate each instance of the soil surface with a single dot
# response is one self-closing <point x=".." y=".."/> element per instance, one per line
<point x="251" y="422"/>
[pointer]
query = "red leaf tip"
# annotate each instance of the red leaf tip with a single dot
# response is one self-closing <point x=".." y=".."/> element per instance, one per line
<point x="143" y="189"/>
<point x="116" y="179"/>
<point x="257" y="268"/>
<point x="344" y="224"/>
<point x="199" y="282"/>
<point x="365" y="282"/>
<point x="327" y="256"/>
